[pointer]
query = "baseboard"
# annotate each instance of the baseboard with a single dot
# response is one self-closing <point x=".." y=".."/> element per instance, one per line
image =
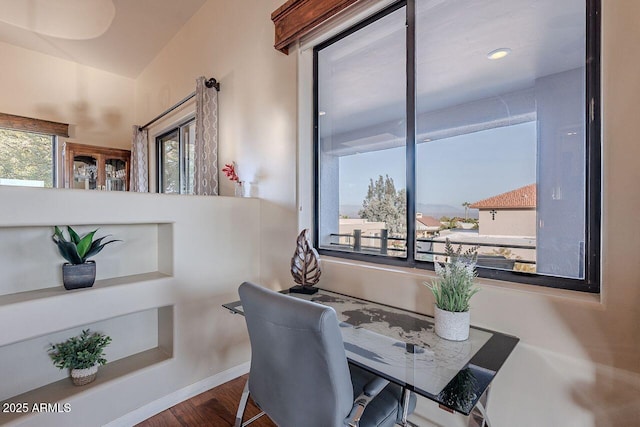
<point x="166" y="402"/>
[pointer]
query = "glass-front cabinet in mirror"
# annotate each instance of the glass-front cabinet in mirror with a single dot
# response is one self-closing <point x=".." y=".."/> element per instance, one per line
<point x="96" y="168"/>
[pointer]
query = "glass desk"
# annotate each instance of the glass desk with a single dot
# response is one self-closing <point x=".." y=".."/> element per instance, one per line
<point x="401" y="346"/>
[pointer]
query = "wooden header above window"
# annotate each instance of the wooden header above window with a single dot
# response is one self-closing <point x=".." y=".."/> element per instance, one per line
<point x="26" y="124"/>
<point x="297" y="18"/>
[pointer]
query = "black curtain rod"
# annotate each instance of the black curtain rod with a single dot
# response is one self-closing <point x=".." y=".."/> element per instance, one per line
<point x="209" y="83"/>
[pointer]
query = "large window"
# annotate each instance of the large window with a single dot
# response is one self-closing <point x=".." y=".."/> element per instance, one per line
<point x="362" y="152"/>
<point x="175" y="156"/>
<point x="27" y="159"/>
<point x="473" y="121"/>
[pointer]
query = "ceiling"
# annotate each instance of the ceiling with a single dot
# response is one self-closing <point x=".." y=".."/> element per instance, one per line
<point x="119" y="36"/>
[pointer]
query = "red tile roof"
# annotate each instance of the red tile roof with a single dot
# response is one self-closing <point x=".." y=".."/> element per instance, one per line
<point x="523" y="197"/>
<point x="428" y="221"/>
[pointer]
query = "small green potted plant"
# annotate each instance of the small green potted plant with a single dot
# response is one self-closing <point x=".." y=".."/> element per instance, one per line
<point x="81" y="355"/>
<point x="78" y="272"/>
<point x="453" y="290"/>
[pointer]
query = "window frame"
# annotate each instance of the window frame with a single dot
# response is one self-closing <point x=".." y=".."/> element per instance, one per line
<point x="181" y="155"/>
<point x="593" y="158"/>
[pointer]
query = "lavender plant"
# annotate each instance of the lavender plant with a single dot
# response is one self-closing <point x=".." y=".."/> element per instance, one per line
<point x="454" y="286"/>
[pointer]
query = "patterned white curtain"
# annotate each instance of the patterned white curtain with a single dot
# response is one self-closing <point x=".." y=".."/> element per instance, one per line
<point x="139" y="161"/>
<point x="206" y="143"/>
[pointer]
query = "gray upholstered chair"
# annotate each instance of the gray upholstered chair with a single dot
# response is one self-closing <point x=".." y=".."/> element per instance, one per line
<point x="299" y="372"/>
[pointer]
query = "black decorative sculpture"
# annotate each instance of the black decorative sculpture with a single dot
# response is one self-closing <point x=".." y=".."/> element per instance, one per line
<point x="305" y="265"/>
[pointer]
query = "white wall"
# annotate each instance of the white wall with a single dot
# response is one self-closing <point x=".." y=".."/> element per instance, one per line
<point x="233" y="42"/>
<point x="507" y="222"/>
<point x="99" y="106"/>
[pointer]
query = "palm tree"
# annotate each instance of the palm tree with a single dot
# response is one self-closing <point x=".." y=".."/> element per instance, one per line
<point x="466" y="210"/>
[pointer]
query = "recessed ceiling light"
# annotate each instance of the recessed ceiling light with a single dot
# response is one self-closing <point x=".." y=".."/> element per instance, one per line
<point x="499" y="53"/>
<point x="322" y="113"/>
<point x="427" y="140"/>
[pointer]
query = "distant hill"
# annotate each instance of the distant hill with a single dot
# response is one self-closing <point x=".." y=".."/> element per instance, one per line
<point x="438" y="211"/>
<point x="350" y="211"/>
<point x="435" y="211"/>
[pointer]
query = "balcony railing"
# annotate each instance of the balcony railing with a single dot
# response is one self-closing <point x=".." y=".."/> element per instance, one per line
<point x="396" y="246"/>
<point x="355" y="242"/>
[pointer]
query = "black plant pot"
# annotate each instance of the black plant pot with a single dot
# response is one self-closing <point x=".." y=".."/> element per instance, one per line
<point x="76" y="276"/>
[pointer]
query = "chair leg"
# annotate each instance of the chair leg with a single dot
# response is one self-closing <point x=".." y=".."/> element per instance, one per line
<point x="406" y="394"/>
<point x="242" y="405"/>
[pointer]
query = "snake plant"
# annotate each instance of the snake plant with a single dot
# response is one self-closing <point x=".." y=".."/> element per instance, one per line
<point x="77" y="250"/>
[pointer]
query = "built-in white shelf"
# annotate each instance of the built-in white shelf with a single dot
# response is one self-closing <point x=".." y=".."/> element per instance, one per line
<point x="63" y="390"/>
<point x="29" y="260"/>
<point x="45" y="311"/>
<point x="132" y="301"/>
<point x="60" y="291"/>
<point x="137" y="337"/>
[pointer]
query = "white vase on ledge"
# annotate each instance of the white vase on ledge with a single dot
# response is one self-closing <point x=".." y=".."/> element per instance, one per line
<point x="239" y="189"/>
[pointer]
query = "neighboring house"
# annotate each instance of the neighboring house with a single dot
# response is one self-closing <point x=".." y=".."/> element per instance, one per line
<point x="507" y="220"/>
<point x="426" y="225"/>
<point x="508" y="214"/>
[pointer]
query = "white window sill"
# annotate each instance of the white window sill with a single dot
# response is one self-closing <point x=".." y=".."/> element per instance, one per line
<point x="562" y="295"/>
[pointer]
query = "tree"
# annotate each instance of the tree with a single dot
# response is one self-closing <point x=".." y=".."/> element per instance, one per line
<point x="170" y="167"/>
<point x="384" y="204"/>
<point x="466" y="210"/>
<point x="448" y="223"/>
<point x="26" y="156"/>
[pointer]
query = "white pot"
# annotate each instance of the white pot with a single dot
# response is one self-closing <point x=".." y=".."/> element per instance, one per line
<point x="451" y="325"/>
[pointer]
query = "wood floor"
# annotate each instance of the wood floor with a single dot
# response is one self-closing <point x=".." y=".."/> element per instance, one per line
<point x="216" y="407"/>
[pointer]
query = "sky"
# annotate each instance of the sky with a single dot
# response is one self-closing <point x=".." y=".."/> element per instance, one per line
<point x="451" y="171"/>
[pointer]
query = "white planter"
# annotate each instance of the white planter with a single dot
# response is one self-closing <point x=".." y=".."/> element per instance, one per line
<point x="84" y="376"/>
<point x="451" y="325"/>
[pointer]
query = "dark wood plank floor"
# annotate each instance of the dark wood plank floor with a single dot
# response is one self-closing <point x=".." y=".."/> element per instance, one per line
<point x="216" y="407"/>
